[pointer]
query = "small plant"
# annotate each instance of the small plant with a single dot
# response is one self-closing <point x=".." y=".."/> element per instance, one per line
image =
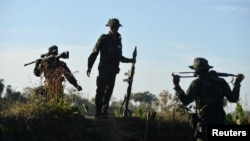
<point x="237" y="118"/>
<point x="4" y="132"/>
<point x="3" y="129"/>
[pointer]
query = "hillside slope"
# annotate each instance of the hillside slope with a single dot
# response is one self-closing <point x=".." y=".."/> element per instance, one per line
<point x="80" y="128"/>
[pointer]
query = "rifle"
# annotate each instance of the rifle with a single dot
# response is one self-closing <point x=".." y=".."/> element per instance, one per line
<point x="212" y="72"/>
<point x="45" y="57"/>
<point x="130" y="75"/>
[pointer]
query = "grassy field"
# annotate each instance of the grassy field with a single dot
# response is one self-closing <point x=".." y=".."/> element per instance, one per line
<point x="54" y="121"/>
<point x="39" y="120"/>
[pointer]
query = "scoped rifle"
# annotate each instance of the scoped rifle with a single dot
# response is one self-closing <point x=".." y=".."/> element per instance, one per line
<point x="44" y="57"/>
<point x="130" y="75"/>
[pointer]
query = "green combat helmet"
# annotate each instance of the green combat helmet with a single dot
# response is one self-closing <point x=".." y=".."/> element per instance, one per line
<point x="113" y="22"/>
<point x="53" y="50"/>
<point x="200" y="63"/>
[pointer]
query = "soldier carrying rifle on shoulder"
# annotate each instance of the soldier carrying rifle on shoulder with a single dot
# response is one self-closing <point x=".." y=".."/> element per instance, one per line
<point x="55" y="72"/>
<point x="208" y="92"/>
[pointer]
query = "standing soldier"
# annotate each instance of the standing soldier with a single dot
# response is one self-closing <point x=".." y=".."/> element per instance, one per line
<point x="110" y="48"/>
<point x="208" y="92"/>
<point x="55" y="72"/>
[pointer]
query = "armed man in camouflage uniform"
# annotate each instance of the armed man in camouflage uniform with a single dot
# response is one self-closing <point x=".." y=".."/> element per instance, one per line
<point x="110" y="48"/>
<point x="55" y="72"/>
<point x="208" y="92"/>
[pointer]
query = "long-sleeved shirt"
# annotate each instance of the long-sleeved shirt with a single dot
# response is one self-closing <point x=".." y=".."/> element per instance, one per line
<point x="110" y="48"/>
<point x="55" y="72"/>
<point x="209" y="93"/>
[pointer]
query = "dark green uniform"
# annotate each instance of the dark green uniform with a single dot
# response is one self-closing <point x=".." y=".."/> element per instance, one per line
<point x="208" y="91"/>
<point x="110" y="48"/>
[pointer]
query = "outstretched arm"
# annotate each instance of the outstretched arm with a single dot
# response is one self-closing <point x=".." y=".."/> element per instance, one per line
<point x="94" y="54"/>
<point x="37" y="69"/>
<point x="70" y="77"/>
<point x="130" y="60"/>
<point x="184" y="98"/>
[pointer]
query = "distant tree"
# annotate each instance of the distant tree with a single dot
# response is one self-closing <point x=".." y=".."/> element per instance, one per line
<point x="145" y="98"/>
<point x="156" y="104"/>
<point x="1" y="87"/>
<point x="166" y="99"/>
<point x="11" y="94"/>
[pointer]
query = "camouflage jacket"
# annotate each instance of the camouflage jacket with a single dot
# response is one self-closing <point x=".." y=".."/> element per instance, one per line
<point x="110" y="48"/>
<point x="54" y="73"/>
<point x="208" y="94"/>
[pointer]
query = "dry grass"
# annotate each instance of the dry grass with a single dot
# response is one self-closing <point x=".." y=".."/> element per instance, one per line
<point x="50" y="120"/>
<point x="41" y="120"/>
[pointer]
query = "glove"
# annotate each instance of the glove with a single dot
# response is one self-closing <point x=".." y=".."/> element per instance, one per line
<point x="88" y="72"/>
<point x="79" y="88"/>
<point x="38" y="61"/>
<point x="133" y="60"/>
<point x="176" y="80"/>
<point x="239" y="78"/>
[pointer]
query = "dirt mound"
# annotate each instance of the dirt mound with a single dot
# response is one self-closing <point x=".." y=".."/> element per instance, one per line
<point x="69" y="128"/>
<point x="79" y="128"/>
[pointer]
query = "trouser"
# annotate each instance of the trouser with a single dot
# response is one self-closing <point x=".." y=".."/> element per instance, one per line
<point x="50" y="92"/>
<point x="201" y="129"/>
<point x="201" y="132"/>
<point x="105" y="84"/>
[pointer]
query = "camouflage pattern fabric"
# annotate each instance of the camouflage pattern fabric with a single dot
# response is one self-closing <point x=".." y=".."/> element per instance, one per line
<point x="55" y="73"/>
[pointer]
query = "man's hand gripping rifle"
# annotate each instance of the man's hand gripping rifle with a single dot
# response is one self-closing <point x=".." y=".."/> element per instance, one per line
<point x="130" y="75"/>
<point x="45" y="57"/>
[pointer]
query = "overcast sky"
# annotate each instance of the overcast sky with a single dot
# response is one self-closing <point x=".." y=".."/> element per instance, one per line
<point x="168" y="35"/>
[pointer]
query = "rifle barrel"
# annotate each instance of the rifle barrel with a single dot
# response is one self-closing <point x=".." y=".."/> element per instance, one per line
<point x="29" y="63"/>
<point x="186" y="76"/>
